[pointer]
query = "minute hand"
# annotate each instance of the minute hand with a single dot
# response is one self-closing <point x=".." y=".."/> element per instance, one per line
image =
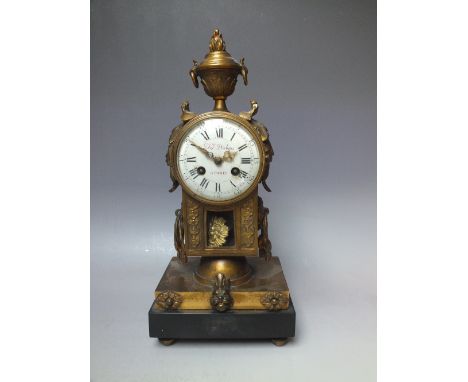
<point x="202" y="149"/>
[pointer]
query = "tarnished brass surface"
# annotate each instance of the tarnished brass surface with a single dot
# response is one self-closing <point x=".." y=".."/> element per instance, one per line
<point x="248" y="115"/>
<point x="196" y="226"/>
<point x="274" y="300"/>
<point x="221" y="299"/>
<point x="166" y="341"/>
<point x="264" y="243"/>
<point x="194" y="223"/>
<point x="186" y="115"/>
<point x="194" y="235"/>
<point x="267" y="277"/>
<point x="280" y="341"/>
<point x="168" y="300"/>
<point x="249" y="229"/>
<point x="236" y="269"/>
<point x="218" y="72"/>
<point x="179" y="236"/>
<point x="268" y="152"/>
<point x="214" y="238"/>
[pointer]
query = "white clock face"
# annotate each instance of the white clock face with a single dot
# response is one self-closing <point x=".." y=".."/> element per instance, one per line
<point x="218" y="159"/>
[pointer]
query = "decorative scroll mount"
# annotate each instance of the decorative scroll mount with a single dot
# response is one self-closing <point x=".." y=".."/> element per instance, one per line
<point x="253" y="110"/>
<point x="186" y="115"/>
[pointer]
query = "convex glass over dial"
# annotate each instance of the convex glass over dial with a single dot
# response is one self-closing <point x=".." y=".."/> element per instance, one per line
<point x="218" y="159"/>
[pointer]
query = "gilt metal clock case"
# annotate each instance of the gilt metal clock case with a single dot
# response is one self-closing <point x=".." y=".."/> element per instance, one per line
<point x="224" y="260"/>
<point x="178" y="139"/>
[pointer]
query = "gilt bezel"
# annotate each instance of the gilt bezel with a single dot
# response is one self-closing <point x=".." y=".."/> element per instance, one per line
<point x="227" y="115"/>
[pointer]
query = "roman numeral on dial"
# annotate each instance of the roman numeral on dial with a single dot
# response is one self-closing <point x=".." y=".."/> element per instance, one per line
<point x="219" y="132"/>
<point x="243" y="174"/>
<point x="242" y="147"/>
<point x="193" y="172"/>
<point x="205" y="135"/>
<point x="205" y="182"/>
<point x="233" y="136"/>
<point x="246" y="160"/>
<point x="191" y="159"/>
<point x="218" y="187"/>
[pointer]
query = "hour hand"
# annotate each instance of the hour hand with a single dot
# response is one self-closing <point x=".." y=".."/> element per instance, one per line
<point x="229" y="156"/>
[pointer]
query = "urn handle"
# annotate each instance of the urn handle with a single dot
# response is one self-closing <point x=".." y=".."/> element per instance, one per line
<point x="193" y="73"/>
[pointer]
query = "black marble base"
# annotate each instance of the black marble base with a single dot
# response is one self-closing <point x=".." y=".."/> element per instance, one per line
<point x="234" y="324"/>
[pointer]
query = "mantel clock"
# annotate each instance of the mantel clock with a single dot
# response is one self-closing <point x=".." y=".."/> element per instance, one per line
<point x="224" y="282"/>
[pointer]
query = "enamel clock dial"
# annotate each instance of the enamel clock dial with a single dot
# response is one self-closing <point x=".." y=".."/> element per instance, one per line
<point x="218" y="159"/>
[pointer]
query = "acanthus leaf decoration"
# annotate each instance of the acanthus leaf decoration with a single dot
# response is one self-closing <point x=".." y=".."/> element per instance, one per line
<point x="194" y="223"/>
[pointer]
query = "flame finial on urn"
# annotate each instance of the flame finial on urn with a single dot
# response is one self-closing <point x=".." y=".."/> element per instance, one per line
<point x="217" y="43"/>
<point x="218" y="71"/>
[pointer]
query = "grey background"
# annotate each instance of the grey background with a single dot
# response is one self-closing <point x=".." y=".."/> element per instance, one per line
<point x="312" y="68"/>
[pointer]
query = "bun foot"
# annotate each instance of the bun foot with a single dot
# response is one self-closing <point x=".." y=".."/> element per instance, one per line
<point x="279" y="341"/>
<point x="166" y="341"/>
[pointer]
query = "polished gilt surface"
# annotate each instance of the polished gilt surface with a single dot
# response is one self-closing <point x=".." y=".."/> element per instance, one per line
<point x="236" y="269"/>
<point x="217" y="232"/>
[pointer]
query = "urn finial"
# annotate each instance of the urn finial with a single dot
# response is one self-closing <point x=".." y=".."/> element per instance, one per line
<point x="217" y="43"/>
<point x="218" y="71"/>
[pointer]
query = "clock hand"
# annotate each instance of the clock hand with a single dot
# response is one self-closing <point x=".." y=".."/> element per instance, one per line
<point x="203" y="150"/>
<point x="229" y="155"/>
